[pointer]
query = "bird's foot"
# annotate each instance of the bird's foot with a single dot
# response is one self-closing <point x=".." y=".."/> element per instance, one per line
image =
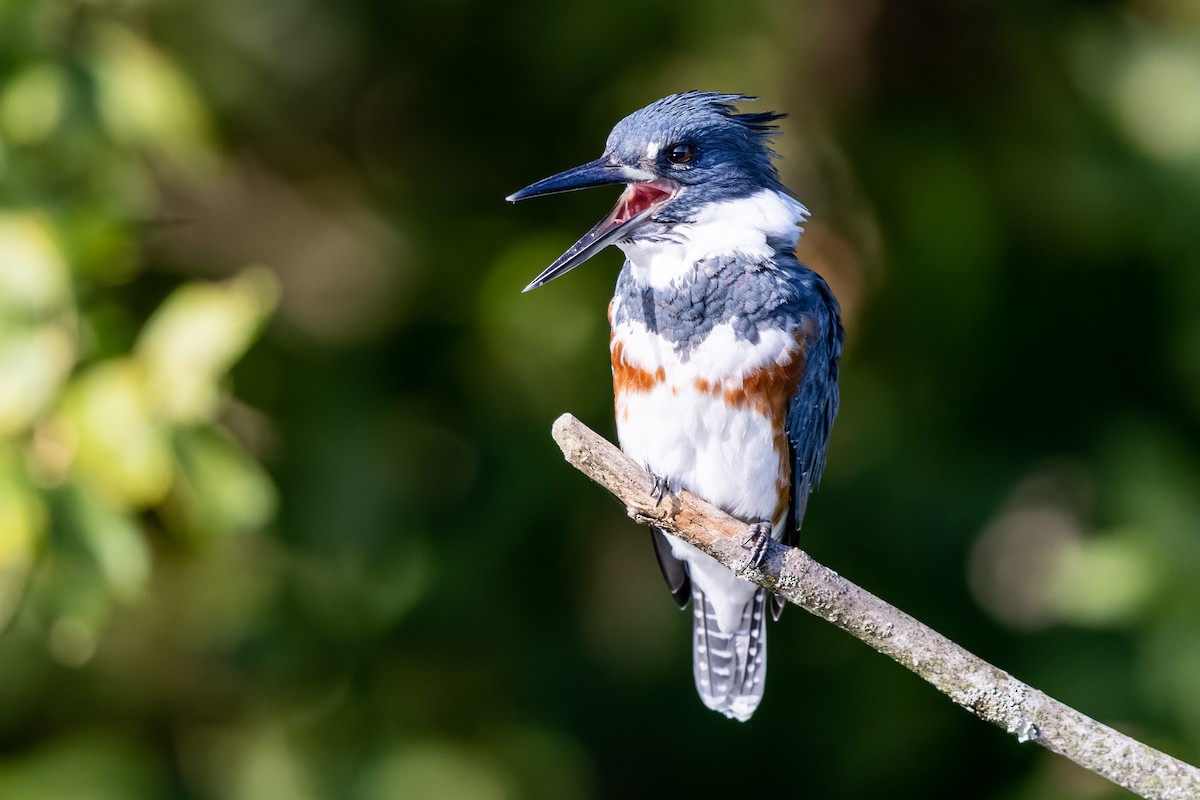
<point x="663" y="488"/>
<point x="758" y="542"/>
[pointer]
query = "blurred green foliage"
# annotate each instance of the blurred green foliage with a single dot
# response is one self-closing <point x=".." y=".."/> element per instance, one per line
<point x="279" y="512"/>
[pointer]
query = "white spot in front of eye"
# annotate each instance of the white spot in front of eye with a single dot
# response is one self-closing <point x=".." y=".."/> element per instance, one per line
<point x="652" y="151"/>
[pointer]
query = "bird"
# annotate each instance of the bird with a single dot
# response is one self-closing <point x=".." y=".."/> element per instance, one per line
<point x="725" y="351"/>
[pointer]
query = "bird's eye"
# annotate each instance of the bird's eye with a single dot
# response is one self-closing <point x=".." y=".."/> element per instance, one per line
<point x="681" y="153"/>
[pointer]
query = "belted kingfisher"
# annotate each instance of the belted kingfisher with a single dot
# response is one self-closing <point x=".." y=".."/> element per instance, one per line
<point x="724" y="350"/>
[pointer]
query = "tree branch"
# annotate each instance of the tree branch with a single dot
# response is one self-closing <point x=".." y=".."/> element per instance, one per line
<point x="984" y="690"/>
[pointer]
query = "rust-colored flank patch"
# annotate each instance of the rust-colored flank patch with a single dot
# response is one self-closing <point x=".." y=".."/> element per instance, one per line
<point x="767" y="391"/>
<point x="630" y="378"/>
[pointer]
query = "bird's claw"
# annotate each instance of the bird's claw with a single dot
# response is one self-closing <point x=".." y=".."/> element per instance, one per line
<point x="758" y="542"/>
<point x="662" y="488"/>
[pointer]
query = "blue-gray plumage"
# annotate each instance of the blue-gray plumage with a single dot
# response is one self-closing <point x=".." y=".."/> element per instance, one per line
<point x="724" y="350"/>
<point x="721" y="290"/>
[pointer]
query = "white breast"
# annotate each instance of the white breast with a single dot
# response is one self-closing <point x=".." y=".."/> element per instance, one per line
<point x="683" y="430"/>
<point x="733" y="226"/>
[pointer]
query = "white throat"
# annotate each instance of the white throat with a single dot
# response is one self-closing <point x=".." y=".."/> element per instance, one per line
<point x="742" y="226"/>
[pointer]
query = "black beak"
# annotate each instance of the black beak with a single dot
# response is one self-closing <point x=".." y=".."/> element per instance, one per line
<point x="601" y="172"/>
<point x="637" y="202"/>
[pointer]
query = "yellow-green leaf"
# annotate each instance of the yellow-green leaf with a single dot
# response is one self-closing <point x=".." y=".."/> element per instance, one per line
<point x="34" y="364"/>
<point x="121" y="450"/>
<point x="196" y="336"/>
<point x="33" y="274"/>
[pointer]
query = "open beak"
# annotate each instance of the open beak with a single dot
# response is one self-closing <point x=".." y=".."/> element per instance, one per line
<point x="643" y="194"/>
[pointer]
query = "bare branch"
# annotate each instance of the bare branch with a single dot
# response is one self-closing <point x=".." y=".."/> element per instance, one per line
<point x="984" y="690"/>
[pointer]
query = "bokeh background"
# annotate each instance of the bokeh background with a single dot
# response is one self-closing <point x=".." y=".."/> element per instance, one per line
<point x="280" y="516"/>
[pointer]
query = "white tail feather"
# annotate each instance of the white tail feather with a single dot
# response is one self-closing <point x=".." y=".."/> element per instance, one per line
<point x="730" y="667"/>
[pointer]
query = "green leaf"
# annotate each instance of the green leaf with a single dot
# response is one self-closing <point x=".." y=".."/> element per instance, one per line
<point x="197" y="334"/>
<point x="221" y="489"/>
<point x="120" y="449"/>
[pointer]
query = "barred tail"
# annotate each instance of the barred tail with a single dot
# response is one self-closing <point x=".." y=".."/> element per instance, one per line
<point x="730" y="667"/>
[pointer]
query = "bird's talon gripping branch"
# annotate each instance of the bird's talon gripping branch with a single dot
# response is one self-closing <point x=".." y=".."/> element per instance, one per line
<point x="758" y="542"/>
<point x="662" y="489"/>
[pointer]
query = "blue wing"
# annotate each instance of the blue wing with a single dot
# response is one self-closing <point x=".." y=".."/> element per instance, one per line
<point x="815" y="404"/>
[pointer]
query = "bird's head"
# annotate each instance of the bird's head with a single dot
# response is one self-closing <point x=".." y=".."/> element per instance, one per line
<point x="674" y="156"/>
